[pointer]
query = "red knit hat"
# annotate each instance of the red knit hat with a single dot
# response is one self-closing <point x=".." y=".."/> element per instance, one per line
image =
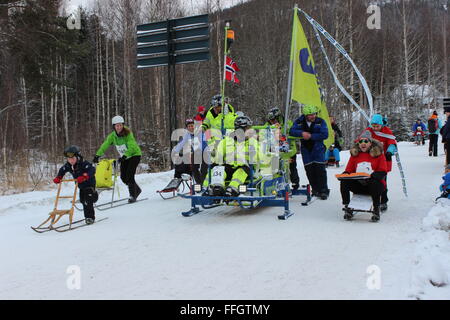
<point x="201" y="109"/>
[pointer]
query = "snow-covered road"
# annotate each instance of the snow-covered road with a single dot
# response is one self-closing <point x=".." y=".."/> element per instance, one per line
<point x="149" y="251"/>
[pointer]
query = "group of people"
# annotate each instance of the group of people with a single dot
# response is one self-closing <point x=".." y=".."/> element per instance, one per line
<point x="433" y="128"/>
<point x="84" y="171"/>
<point x="372" y="152"/>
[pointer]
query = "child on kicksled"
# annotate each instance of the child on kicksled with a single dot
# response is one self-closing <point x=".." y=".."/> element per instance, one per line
<point x="84" y="172"/>
<point x="445" y="187"/>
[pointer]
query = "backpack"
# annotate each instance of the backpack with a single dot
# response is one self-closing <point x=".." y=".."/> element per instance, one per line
<point x="432" y="125"/>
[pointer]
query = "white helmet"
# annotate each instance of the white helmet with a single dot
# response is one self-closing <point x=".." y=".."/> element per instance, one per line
<point x="117" y="119"/>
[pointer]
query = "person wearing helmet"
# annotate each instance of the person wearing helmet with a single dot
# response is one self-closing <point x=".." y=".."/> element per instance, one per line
<point x="275" y="117"/>
<point x="130" y="154"/>
<point x="84" y="172"/>
<point x="313" y="131"/>
<point x="191" y="145"/>
<point x="215" y="116"/>
<point x="384" y="134"/>
<point x="236" y="154"/>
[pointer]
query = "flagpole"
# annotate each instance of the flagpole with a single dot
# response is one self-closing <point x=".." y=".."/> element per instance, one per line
<point x="291" y="66"/>
<point x="227" y="27"/>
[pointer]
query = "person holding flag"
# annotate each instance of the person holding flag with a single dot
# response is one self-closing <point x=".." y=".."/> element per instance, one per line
<point x="314" y="131"/>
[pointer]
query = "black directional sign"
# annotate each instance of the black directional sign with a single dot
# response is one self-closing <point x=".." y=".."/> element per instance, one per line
<point x="175" y="41"/>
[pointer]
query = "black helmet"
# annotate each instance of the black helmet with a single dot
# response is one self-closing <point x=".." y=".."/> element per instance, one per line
<point x="72" y="151"/>
<point x="274" y="113"/>
<point x="216" y="100"/>
<point x="242" y="122"/>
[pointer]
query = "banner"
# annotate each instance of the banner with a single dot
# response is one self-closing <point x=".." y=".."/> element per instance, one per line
<point x="305" y="82"/>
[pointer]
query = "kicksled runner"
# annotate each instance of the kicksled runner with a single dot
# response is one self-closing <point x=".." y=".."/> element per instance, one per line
<point x="105" y="179"/>
<point x="359" y="203"/>
<point x="51" y="223"/>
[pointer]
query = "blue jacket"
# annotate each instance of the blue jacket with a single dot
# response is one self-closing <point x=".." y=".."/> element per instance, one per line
<point x="446" y="185"/>
<point x="446" y="130"/>
<point x="313" y="150"/>
<point x="80" y="168"/>
<point x="416" y="125"/>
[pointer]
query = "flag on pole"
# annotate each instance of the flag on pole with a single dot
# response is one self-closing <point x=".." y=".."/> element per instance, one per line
<point x="305" y="82"/>
<point x="230" y="70"/>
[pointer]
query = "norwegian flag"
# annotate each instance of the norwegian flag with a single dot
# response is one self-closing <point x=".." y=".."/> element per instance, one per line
<point x="230" y="70"/>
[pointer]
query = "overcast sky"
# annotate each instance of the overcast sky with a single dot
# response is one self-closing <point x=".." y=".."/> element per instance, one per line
<point x="191" y="5"/>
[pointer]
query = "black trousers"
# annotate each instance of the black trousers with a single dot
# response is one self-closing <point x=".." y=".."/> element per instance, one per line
<point x="293" y="171"/>
<point x="88" y="196"/>
<point x="128" y="170"/>
<point x="198" y="171"/>
<point x="371" y="187"/>
<point x="384" y="197"/>
<point x="433" y="144"/>
<point x="447" y="148"/>
<point x="317" y="177"/>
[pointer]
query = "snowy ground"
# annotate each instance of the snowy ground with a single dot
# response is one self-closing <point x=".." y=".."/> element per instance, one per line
<point x="149" y="251"/>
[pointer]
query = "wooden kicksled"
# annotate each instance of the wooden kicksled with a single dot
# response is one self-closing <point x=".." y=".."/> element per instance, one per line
<point x="56" y="214"/>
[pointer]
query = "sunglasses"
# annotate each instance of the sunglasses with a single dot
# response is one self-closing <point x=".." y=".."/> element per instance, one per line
<point x="363" y="141"/>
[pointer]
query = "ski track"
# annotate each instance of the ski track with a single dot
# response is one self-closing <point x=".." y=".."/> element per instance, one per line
<point x="147" y="250"/>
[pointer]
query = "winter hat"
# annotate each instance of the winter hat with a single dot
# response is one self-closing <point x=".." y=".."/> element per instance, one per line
<point x="377" y="119"/>
<point x="366" y="135"/>
<point x="201" y="109"/>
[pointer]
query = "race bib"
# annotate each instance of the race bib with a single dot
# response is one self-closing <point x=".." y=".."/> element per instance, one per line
<point x="365" y="167"/>
<point x="121" y="149"/>
<point x="218" y="175"/>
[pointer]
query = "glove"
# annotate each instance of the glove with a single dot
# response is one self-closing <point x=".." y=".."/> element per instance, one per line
<point x="95" y="160"/>
<point x="378" y="175"/>
<point x="57" y="179"/>
<point x="388" y="156"/>
<point x="82" y="179"/>
<point x="122" y="158"/>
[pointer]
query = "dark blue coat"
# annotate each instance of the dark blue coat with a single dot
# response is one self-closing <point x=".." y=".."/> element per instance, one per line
<point x="80" y="168"/>
<point x="313" y="150"/>
<point x="445" y="131"/>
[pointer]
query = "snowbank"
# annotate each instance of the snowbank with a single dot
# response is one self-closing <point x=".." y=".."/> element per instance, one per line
<point x="431" y="272"/>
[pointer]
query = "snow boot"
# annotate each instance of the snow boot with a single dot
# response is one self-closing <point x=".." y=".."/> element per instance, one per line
<point x="337" y="164"/>
<point x="295" y="186"/>
<point x="231" y="192"/>
<point x="376" y="215"/>
<point x="383" y="207"/>
<point x="89" y="220"/>
<point x="323" y="195"/>
<point x="348" y="215"/>
<point x="216" y="190"/>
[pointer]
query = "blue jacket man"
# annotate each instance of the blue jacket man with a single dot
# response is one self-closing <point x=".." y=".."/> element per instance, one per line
<point x="313" y="131"/>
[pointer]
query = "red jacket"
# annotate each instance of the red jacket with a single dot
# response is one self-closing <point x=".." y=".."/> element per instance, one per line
<point x="200" y="117"/>
<point x="386" y="140"/>
<point x="378" y="163"/>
